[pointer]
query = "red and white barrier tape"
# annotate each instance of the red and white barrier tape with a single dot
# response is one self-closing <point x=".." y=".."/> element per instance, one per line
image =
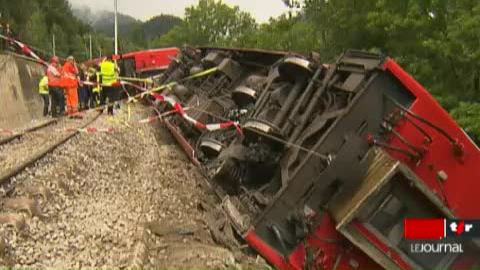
<point x="177" y="107"/>
<point x="152" y="119"/>
<point x="91" y="130"/>
<point x="180" y="110"/>
<point x="27" y="51"/>
<point x="6" y="131"/>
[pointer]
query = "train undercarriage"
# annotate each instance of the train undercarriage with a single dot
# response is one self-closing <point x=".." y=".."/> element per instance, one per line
<point x="325" y="160"/>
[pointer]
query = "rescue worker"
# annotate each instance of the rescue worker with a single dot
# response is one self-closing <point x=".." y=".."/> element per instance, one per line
<point x="70" y="82"/>
<point x="12" y="46"/>
<point x="4" y="42"/>
<point x="97" y="88"/>
<point x="90" y="78"/>
<point x="109" y="75"/>
<point x="6" y="32"/>
<point x="55" y="89"/>
<point x="82" y="88"/>
<point x="43" y="91"/>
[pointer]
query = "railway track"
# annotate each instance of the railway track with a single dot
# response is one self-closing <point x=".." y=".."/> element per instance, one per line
<point x="13" y="136"/>
<point x="17" y="150"/>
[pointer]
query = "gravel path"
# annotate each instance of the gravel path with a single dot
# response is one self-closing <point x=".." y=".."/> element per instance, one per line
<point x="124" y="200"/>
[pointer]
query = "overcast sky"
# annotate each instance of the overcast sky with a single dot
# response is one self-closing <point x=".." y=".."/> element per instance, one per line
<point x="144" y="9"/>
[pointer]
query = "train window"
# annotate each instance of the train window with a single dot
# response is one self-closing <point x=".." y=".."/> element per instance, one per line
<point x="373" y="216"/>
<point x="396" y="202"/>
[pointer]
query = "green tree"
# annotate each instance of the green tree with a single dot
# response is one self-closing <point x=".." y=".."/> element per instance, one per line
<point x="35" y="21"/>
<point x="160" y="25"/>
<point x="211" y="23"/>
<point x="285" y="33"/>
<point x="38" y="32"/>
<point x="177" y="36"/>
<point x="61" y="41"/>
<point x="436" y="41"/>
<point x="338" y="25"/>
<point x="468" y="116"/>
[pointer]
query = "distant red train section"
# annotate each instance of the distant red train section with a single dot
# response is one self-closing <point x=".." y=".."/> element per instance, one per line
<point x="142" y="63"/>
<point x="151" y="61"/>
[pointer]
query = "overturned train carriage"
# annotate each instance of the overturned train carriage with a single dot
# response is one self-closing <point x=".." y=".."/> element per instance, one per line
<point x="330" y="159"/>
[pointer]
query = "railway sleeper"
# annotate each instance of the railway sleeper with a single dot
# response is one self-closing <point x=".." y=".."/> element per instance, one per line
<point x="39" y="191"/>
<point x="12" y="219"/>
<point x="28" y="205"/>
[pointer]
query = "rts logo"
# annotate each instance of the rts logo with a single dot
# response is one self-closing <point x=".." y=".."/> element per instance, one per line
<point x="460" y="227"/>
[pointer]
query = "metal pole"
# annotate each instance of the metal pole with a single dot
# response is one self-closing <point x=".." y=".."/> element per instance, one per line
<point x="53" y="44"/>
<point x="90" y="38"/>
<point x="85" y="46"/>
<point x="116" y="29"/>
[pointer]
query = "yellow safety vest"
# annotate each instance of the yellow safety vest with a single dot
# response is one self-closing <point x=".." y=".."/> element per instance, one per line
<point x="98" y="87"/>
<point x="43" y="86"/>
<point x="107" y="69"/>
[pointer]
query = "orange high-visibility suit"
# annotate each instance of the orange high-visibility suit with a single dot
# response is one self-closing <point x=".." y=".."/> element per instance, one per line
<point x="70" y="84"/>
<point x="55" y="85"/>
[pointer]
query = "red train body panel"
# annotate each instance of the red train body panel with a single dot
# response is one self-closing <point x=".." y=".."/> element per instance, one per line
<point x="461" y="187"/>
<point x="152" y="60"/>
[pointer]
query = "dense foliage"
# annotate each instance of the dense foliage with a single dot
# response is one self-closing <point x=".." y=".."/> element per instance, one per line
<point x="36" y="21"/>
<point x="468" y="115"/>
<point x="159" y="25"/>
<point x="211" y="23"/>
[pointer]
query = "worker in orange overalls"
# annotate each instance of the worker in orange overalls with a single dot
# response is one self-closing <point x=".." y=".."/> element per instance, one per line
<point x="70" y="83"/>
<point x="55" y="87"/>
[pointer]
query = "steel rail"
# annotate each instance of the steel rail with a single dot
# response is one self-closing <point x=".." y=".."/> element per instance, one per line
<point x="28" y="130"/>
<point x="6" y="175"/>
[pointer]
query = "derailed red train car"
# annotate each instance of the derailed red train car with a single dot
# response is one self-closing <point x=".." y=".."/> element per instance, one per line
<point x="150" y="62"/>
<point x="332" y="158"/>
<point x="142" y="63"/>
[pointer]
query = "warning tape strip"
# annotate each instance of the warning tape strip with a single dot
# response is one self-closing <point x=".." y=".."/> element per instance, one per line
<point x="27" y="51"/>
<point x="132" y="79"/>
<point x="181" y="111"/>
<point x="92" y="130"/>
<point x="201" y="74"/>
<point x="7" y="131"/>
<point x="101" y="84"/>
<point x="152" y="119"/>
<point x="196" y="75"/>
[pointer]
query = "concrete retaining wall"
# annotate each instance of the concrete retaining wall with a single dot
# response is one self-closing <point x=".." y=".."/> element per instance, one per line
<point x="19" y="99"/>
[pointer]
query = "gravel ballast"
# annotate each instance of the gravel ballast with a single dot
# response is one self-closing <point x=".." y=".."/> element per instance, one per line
<point x="129" y="199"/>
